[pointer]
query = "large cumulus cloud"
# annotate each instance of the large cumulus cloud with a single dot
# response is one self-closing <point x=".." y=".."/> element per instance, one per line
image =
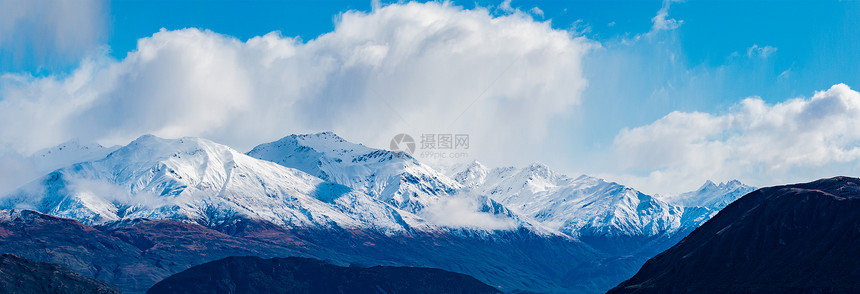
<point x="796" y="140"/>
<point x="415" y="68"/>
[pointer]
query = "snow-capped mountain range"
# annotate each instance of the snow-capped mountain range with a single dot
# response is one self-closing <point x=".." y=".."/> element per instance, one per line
<point x="197" y="180"/>
<point x="573" y="205"/>
<point x="591" y="206"/>
<point x="322" y="196"/>
<point x="392" y="177"/>
<point x="323" y="180"/>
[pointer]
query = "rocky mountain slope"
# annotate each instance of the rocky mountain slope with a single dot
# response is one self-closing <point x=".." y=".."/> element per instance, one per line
<point x="135" y="254"/>
<point x="800" y="238"/>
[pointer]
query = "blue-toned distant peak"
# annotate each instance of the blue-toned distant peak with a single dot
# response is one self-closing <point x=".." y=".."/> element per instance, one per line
<point x="582" y="206"/>
<point x="711" y="195"/>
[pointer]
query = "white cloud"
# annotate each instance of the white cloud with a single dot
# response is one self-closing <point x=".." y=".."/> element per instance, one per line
<point x="784" y="74"/>
<point x="662" y="22"/>
<point x="763" y="52"/>
<point x="411" y="68"/>
<point x="464" y="212"/>
<point x="506" y="6"/>
<point x="580" y="28"/>
<point x="111" y="194"/>
<point x="796" y="140"/>
<point x="49" y="33"/>
<point x="537" y="11"/>
<point x="15" y="170"/>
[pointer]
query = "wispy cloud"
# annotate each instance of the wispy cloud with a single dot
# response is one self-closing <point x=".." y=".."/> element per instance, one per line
<point x="537" y="11"/>
<point x="763" y="52"/>
<point x="464" y="212"/>
<point x="662" y="22"/>
<point x="506" y="6"/>
<point x="48" y="34"/>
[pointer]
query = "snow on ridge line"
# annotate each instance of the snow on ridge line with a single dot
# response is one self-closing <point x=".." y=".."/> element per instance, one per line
<point x="397" y="179"/>
<point x="584" y="205"/>
<point x="712" y="196"/>
<point x="535" y="194"/>
<point x="391" y="177"/>
<point x="546" y="189"/>
<point x="197" y="180"/>
<point x="202" y="180"/>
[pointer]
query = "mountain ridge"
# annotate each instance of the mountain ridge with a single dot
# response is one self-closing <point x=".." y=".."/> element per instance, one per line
<point x="193" y="179"/>
<point x="20" y="275"/>
<point x="304" y="275"/>
<point x="374" y="201"/>
<point x="769" y="241"/>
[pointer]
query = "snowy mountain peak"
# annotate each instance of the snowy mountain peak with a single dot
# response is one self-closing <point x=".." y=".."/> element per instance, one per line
<point x="472" y="174"/>
<point x="391" y="177"/>
<point x="400" y="181"/>
<point x="582" y="206"/>
<point x="708" y="185"/>
<point x="733" y="184"/>
<point x="323" y="180"/>
<point x="197" y="180"/>
<point x="476" y="165"/>
<point x="67" y="153"/>
<point x="711" y="186"/>
<point x="71" y="145"/>
<point x="538" y="167"/>
<point x="71" y="150"/>
<point x="539" y="170"/>
<point x="711" y="196"/>
<point x="308" y="151"/>
<point x="147" y="146"/>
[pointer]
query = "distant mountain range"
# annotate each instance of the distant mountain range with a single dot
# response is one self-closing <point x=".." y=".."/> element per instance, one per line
<point x="801" y="238"/>
<point x="296" y="275"/>
<point x="19" y="275"/>
<point x="321" y="196"/>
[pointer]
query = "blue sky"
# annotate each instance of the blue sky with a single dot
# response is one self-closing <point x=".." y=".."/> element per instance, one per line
<point x="632" y="65"/>
<point x="817" y="40"/>
<point x="818" y="37"/>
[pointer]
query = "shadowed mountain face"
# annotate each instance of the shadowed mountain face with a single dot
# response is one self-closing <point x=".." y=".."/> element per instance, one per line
<point x="135" y="254"/>
<point x="19" y="275"/>
<point x="302" y="275"/>
<point x="132" y="257"/>
<point x="796" y="238"/>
